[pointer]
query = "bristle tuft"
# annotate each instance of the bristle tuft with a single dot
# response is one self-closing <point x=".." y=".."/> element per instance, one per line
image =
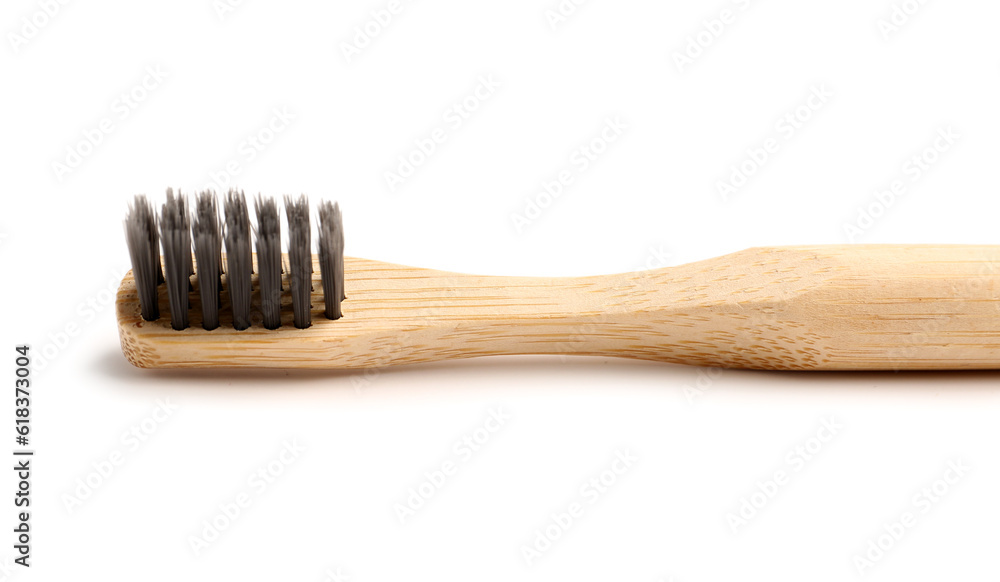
<point x="331" y="257"/>
<point x="185" y="237"/>
<point x="299" y="258"/>
<point x="269" y="260"/>
<point x="175" y="233"/>
<point x="144" y="251"/>
<point x="208" y="255"/>
<point x="238" y="257"/>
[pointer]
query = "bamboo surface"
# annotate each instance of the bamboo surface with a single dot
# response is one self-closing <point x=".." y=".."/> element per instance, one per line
<point x="850" y="307"/>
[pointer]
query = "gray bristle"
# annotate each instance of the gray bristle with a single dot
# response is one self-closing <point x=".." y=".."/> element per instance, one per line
<point x="144" y="251"/>
<point x="269" y="260"/>
<point x="172" y="234"/>
<point x="331" y="257"/>
<point x="208" y="255"/>
<point x="299" y="258"/>
<point x="175" y="235"/>
<point x="187" y="256"/>
<point x="238" y="257"/>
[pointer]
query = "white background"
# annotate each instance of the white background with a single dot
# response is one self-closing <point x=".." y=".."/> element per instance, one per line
<point x="702" y="439"/>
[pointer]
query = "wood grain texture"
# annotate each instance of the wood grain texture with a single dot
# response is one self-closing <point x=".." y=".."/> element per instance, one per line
<point x="851" y="307"/>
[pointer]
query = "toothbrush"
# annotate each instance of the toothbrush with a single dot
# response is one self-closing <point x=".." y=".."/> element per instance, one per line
<point x="836" y="307"/>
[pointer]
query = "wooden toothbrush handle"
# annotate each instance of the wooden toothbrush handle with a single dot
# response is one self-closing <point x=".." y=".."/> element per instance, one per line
<point x="846" y="307"/>
<point x="851" y="307"/>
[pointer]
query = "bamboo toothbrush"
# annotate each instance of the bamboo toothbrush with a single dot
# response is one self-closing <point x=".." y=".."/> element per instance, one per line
<point x="849" y="307"/>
